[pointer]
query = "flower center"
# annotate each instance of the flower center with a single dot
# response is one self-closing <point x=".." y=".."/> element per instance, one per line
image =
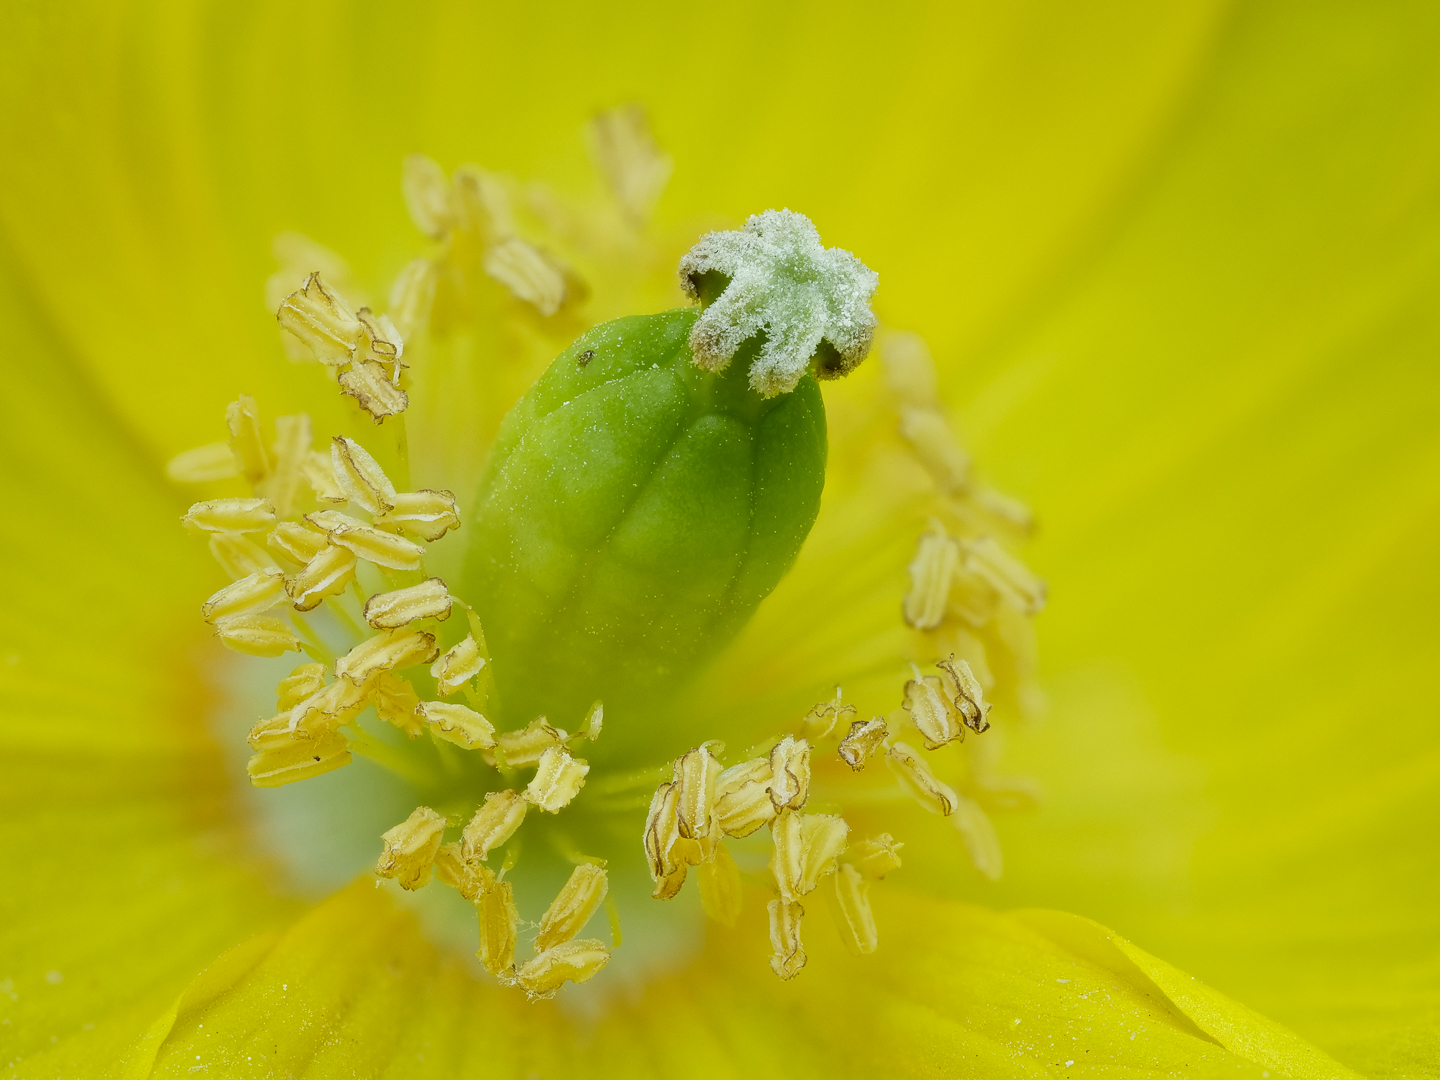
<point x="399" y="670"/>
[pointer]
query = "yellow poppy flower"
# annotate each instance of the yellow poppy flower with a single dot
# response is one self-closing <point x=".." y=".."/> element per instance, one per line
<point x="1175" y="266"/>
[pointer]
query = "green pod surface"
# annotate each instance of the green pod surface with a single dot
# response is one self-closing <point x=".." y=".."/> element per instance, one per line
<point x="635" y="511"/>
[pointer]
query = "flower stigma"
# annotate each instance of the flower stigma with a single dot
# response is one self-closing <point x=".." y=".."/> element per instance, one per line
<point x="640" y="500"/>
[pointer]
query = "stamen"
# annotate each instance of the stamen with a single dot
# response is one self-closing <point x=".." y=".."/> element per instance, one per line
<point x="328" y="573"/>
<point x="413" y="296"/>
<point x="930" y="437"/>
<point x="695" y="773"/>
<point x="361" y="477"/>
<point x="285" y="764"/>
<point x="202" y="465"/>
<point x="367" y="542"/>
<point x="304" y="681"/>
<point x="929" y="712"/>
<point x="930" y="792"/>
<point x="386" y="650"/>
<point x="391" y="610"/>
<point x="397" y="704"/>
<point x="256" y="635"/>
<point x="329" y="708"/>
<point x="466" y="876"/>
<point x="635" y="168"/>
<point x="427" y="195"/>
<point x="296" y="543"/>
<point x="525" y="747"/>
<point x="787" y="954"/>
<point x="461" y="663"/>
<point x="930" y="573"/>
<point x="568" y="913"/>
<point x="852" y="904"/>
<point x="319" y="473"/>
<point x="964" y="694"/>
<point x="250" y="595"/>
<point x="494" y="823"/>
<point x="742" y="797"/>
<point x="457" y="724"/>
<point x="825" y="718"/>
<point x="230" y="515"/>
<point x="789" y="773"/>
<point x="239" y="556"/>
<point x="525" y="271"/>
<point x="369" y="384"/>
<point x="319" y="318"/>
<point x="411" y="847"/>
<point x="558" y="779"/>
<point x="573" y="961"/>
<point x="426" y="513"/>
<point x="805" y="849"/>
<point x="289" y="450"/>
<point x="865" y="739"/>
<point x="877" y="856"/>
<point x="978" y="833"/>
<point x="243" y="419"/>
<point x="721" y="892"/>
<point x="669" y="855"/>
<point x="498" y="921"/>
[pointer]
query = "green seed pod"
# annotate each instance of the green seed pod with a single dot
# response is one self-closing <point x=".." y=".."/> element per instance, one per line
<point x="638" y="506"/>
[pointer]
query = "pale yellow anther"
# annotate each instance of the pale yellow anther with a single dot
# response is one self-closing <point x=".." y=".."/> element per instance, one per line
<point x="367" y="542"/>
<point x="661" y="834"/>
<point x="386" y="651"/>
<point x="327" y="574"/>
<point x="877" y="856"/>
<point x="498" y="919"/>
<point x="298" y="256"/>
<point x="593" y="722"/>
<point x="303" y="682"/>
<point x="203" y="464"/>
<point x="695" y="773"/>
<point x="524" y="747"/>
<point x="932" y="716"/>
<point x="413" y="296"/>
<point x="231" y="515"/>
<point x="790" y="773"/>
<point x="288" y="452"/>
<point x="635" y="168"/>
<point x="909" y="369"/>
<point x="257" y="635"/>
<point x="396" y="703"/>
<point x="410" y="849"/>
<point x="805" y="847"/>
<point x="272" y="733"/>
<point x="928" y="790"/>
<point x="826" y="718"/>
<point x="457" y="724"/>
<point x="380" y="341"/>
<point x="298" y="760"/>
<point x="360" y="476"/>
<point x="930" y="437"/>
<point x="574" y="961"/>
<point x="296" y="543"/>
<point x="527" y="273"/>
<point x="239" y="556"/>
<point x="427" y="194"/>
<point x="391" y="610"/>
<point x="964" y="693"/>
<point x="242" y="417"/>
<point x="319" y="473"/>
<point x="579" y="898"/>
<point x="787" y="954"/>
<point x="558" y="779"/>
<point x="482" y="204"/>
<point x="930" y="574"/>
<point x="852" y="905"/>
<point x="319" y="318"/>
<point x="978" y="833"/>
<point x="457" y="666"/>
<point x="329" y="708"/>
<point x="469" y="878"/>
<point x="865" y="739"/>
<point x="250" y="595"/>
<point x="427" y="513"/>
<point x="721" y="892"/>
<point x="1006" y="573"/>
<point x="742" y="797"/>
<point x="370" y="385"/>
<point x="494" y="823"/>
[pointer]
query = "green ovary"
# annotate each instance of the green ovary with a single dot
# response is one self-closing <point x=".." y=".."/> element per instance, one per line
<point x="635" y="511"/>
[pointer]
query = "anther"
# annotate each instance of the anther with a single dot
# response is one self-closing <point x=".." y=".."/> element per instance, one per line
<point x="494" y="823"/>
<point x="852" y="904"/>
<point x="805" y="849"/>
<point x="787" y="954"/>
<point x="876" y="856"/>
<point x="369" y="384"/>
<point x="865" y="739"/>
<point x="360" y="476"/>
<point x="558" y="779"/>
<point x="257" y="635"/>
<point x="742" y="797"/>
<point x="396" y="703"/>
<point x="426" y="190"/>
<point x="978" y="833"/>
<point x="930" y="437"/>
<point x="662" y="839"/>
<point x="287" y="474"/>
<point x="578" y="899"/>
<point x="825" y="718"/>
<point x="239" y="556"/>
<point x="386" y="650"/>
<point x="286" y="764"/>
<point x="931" y="714"/>
<point x="721" y="893"/>
<point x="367" y="542"/>
<point x="427" y="513"/>
<point x="305" y="680"/>
<point x="391" y="610"/>
<point x="231" y="515"/>
<point x="635" y="168"/>
<point x="525" y="271"/>
<point x="695" y="772"/>
<point x="964" y="692"/>
<point x="413" y="296"/>
<point x="203" y="464"/>
<point x="296" y="543"/>
<point x="929" y="791"/>
<point x="789" y="773"/>
<point x="525" y="747"/>
<point x="574" y="961"/>
<point x="242" y="417"/>
<point x="930" y="573"/>
<point x="250" y="595"/>
<point x="410" y="848"/>
<point x="457" y="666"/>
<point x="328" y="573"/>
<point x="466" y="876"/>
<point x="457" y="724"/>
<point x="330" y="707"/>
<point x="319" y="473"/>
<point x="498" y="919"/>
<point x="319" y="318"/>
